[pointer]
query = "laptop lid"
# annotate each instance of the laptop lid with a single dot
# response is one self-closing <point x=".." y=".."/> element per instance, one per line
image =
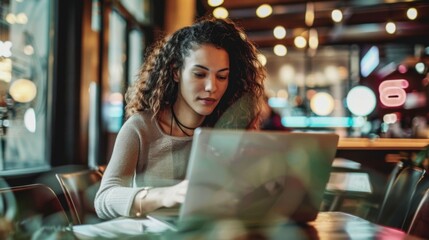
<point x="257" y="174"/>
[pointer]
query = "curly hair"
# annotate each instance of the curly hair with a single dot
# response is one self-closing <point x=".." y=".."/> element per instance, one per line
<point x="155" y="88"/>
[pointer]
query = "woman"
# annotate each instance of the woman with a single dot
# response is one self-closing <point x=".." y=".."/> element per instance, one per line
<point x="187" y="81"/>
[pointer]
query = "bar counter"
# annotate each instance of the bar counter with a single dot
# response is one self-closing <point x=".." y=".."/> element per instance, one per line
<point x="382" y="143"/>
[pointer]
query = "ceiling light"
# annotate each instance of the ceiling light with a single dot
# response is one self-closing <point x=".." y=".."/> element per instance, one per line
<point x="264" y="11"/>
<point x="23" y="90"/>
<point x="214" y="3"/>
<point x="336" y="15"/>
<point x="322" y="104"/>
<point x="412" y="13"/>
<point x="361" y="101"/>
<point x="309" y="14"/>
<point x="279" y="32"/>
<point x="220" y="12"/>
<point x="280" y="50"/>
<point x="313" y="40"/>
<point x="390" y="27"/>
<point x="300" y="42"/>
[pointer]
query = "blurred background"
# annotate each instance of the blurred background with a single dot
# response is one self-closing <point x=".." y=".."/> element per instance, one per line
<point x="358" y="68"/>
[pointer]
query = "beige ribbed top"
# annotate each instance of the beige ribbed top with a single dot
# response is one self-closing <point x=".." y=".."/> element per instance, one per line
<point x="142" y="156"/>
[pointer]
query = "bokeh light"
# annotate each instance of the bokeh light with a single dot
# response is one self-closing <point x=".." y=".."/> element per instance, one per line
<point x="322" y="103"/>
<point x="279" y="32"/>
<point x="220" y="12"/>
<point x="337" y="15"/>
<point x="30" y="120"/>
<point x="300" y="42"/>
<point x="214" y="3"/>
<point x="412" y="13"/>
<point x="23" y="90"/>
<point x="280" y="50"/>
<point x="264" y="11"/>
<point x="361" y="101"/>
<point x="390" y="27"/>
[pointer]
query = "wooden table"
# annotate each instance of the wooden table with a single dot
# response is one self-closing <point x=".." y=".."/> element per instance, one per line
<point x="328" y="225"/>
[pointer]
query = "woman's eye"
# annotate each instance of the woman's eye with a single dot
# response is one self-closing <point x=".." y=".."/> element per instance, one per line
<point x="199" y="75"/>
<point x="223" y="77"/>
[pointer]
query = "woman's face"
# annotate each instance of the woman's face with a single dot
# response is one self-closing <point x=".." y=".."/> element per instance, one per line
<point x="202" y="80"/>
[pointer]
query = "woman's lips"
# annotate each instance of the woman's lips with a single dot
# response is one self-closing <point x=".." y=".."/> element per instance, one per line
<point x="207" y="101"/>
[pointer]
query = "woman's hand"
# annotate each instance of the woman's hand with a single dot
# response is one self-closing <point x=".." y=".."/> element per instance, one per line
<point x="175" y="194"/>
<point x="160" y="197"/>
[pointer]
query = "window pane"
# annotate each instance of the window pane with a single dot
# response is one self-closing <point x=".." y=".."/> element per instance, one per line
<point x="135" y="54"/>
<point x="24" y="60"/>
<point x="140" y="9"/>
<point x="113" y="99"/>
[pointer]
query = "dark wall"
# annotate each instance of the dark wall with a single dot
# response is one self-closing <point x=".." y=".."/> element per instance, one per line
<point x="66" y="81"/>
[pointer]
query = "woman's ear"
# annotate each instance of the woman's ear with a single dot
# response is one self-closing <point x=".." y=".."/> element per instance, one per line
<point x="176" y="74"/>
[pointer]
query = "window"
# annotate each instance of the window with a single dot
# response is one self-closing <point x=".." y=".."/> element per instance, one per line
<point x="371" y="91"/>
<point x="114" y="98"/>
<point x="25" y="55"/>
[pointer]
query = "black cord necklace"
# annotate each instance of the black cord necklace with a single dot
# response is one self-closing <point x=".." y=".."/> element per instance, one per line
<point x="179" y="124"/>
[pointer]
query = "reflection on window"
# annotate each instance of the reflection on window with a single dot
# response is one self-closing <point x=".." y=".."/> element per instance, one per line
<point x="24" y="72"/>
<point x="352" y="91"/>
<point x="135" y="54"/>
<point x="113" y="98"/>
<point x="140" y="9"/>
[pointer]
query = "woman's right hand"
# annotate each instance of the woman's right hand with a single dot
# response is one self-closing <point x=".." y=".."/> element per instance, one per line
<point x="175" y="194"/>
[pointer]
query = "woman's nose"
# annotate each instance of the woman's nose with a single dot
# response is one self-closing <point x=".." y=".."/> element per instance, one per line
<point x="211" y="84"/>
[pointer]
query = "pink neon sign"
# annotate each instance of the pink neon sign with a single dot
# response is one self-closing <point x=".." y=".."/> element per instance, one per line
<point x="392" y="93"/>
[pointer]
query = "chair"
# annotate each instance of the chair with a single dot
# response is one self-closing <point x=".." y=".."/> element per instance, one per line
<point x="337" y="190"/>
<point x="421" y="188"/>
<point x="420" y="223"/>
<point x="102" y="168"/>
<point x="31" y="207"/>
<point x="373" y="204"/>
<point x="360" y="186"/>
<point x="79" y="189"/>
<point x="398" y="198"/>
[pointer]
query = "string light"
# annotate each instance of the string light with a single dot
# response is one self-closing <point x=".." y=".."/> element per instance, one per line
<point x="220" y="12"/>
<point x="309" y="14"/>
<point x="390" y="27"/>
<point x="280" y="50"/>
<point x="336" y="15"/>
<point x="264" y="11"/>
<point x="300" y="42"/>
<point x="279" y="32"/>
<point x="412" y="13"/>
<point x="214" y="3"/>
<point x="313" y="40"/>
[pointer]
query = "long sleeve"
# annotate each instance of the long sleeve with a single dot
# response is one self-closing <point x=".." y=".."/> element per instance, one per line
<point x="142" y="156"/>
<point x="116" y="194"/>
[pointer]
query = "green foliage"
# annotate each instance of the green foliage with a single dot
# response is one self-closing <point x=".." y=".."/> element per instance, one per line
<point x="421" y="158"/>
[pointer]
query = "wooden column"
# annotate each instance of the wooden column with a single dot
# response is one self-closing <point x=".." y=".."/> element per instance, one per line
<point x="178" y="14"/>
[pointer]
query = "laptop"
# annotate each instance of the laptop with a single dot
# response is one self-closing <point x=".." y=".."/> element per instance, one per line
<point x="254" y="176"/>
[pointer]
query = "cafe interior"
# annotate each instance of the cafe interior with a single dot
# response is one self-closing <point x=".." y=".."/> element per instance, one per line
<point x="358" y="69"/>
